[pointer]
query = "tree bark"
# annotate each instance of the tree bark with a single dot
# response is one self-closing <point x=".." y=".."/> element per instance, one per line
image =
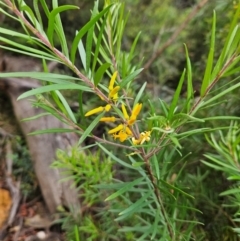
<point x="42" y="147"/>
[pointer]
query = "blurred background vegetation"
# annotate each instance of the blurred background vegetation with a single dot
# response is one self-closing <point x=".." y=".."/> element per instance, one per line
<point x="157" y="21"/>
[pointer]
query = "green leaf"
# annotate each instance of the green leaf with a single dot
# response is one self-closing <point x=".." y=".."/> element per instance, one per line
<point x="52" y="18"/>
<point x="89" y="39"/>
<point x="35" y="117"/>
<point x="227" y="44"/>
<point x="82" y="54"/>
<point x="176" y="189"/>
<point x="231" y="192"/>
<point x="60" y="31"/>
<point x="131" y="53"/>
<point x="189" y="82"/>
<point x="176" y="97"/>
<point x="139" y="94"/>
<point x="53" y="130"/>
<point x="98" y="43"/>
<point x="222" y="93"/>
<point x="53" y="87"/>
<point x="52" y="58"/>
<point x="83" y="31"/>
<point x="99" y="74"/>
<point x="37" y="12"/>
<point x="28" y="50"/>
<point x="49" y="77"/>
<point x="129" y="78"/>
<point x="124" y="189"/>
<point x="67" y="107"/>
<point x="137" y="206"/>
<point x="30" y="14"/>
<point x="112" y="156"/>
<point x="164" y="107"/>
<point x="156" y="166"/>
<point x="45" y="7"/>
<point x="16" y="34"/>
<point x="209" y="65"/>
<point x="88" y="131"/>
<point x="219" y="164"/>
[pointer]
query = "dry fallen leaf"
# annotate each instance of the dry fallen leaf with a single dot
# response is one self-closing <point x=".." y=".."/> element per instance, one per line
<point x="5" y="205"/>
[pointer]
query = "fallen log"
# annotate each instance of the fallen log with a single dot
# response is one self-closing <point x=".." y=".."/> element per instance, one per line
<point x="42" y="147"/>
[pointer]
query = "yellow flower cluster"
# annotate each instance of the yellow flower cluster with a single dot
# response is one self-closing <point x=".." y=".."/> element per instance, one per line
<point x="122" y="131"/>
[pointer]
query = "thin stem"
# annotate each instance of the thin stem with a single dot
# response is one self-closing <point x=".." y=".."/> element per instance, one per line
<point x="59" y="54"/>
<point x="158" y="195"/>
<point x="198" y="102"/>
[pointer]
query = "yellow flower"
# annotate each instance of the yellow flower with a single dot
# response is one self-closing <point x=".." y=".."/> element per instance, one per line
<point x="122" y="135"/>
<point x="108" y="107"/>
<point x="144" y="136"/>
<point x="108" y="119"/>
<point x="128" y="131"/>
<point x="132" y="120"/>
<point x="113" y="94"/>
<point x="116" y="129"/>
<point x="136" y="109"/>
<point x="98" y="109"/>
<point x="112" y="81"/>
<point x="125" y="114"/>
<point x="94" y="111"/>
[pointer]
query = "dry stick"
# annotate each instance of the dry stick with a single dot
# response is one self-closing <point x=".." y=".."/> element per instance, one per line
<point x="190" y="16"/>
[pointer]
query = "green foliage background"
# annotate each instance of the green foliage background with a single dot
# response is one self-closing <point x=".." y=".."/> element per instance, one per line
<point x="157" y="20"/>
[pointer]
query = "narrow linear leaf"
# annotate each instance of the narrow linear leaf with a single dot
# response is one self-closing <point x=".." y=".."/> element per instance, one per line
<point x="53" y="130"/>
<point x="156" y="166"/>
<point x="209" y="65"/>
<point x="176" y="96"/>
<point x="124" y="189"/>
<point x="113" y="157"/>
<point x="60" y="31"/>
<point x="129" y="78"/>
<point x="176" y="189"/>
<point x="83" y="31"/>
<point x="139" y="95"/>
<point x="51" y="19"/>
<point x="189" y="81"/>
<point x="89" y="39"/>
<point x="35" y="117"/>
<point x="27" y="48"/>
<point x="131" y="53"/>
<point x="222" y="93"/>
<point x="82" y="54"/>
<point x="27" y="53"/>
<point x="48" y="77"/>
<point x="66" y="106"/>
<point x="53" y="87"/>
<point x="88" y="131"/>
<point x="98" y="43"/>
<point x="231" y="192"/>
<point x="136" y="206"/>
<point x="99" y="74"/>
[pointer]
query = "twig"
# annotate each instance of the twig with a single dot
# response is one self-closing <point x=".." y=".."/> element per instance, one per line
<point x="175" y="34"/>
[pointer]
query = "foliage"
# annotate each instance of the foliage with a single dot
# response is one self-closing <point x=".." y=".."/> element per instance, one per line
<point x="143" y="137"/>
<point x="227" y="161"/>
